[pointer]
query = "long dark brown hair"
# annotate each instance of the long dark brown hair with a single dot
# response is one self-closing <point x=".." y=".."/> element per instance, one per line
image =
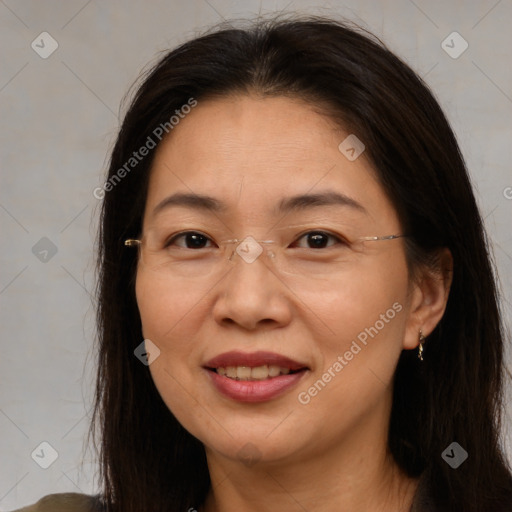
<point x="148" y="461"/>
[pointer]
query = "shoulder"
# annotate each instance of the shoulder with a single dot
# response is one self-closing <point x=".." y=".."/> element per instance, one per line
<point x="65" y="502"/>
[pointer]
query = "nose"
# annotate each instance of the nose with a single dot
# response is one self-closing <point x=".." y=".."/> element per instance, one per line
<point x="252" y="295"/>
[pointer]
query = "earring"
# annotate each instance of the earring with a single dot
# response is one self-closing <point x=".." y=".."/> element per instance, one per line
<point x="420" y="348"/>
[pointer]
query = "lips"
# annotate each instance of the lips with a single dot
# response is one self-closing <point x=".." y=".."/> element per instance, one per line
<point x="254" y="377"/>
<point x="253" y="360"/>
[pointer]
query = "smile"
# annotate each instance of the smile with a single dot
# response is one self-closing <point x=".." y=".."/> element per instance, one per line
<point x="254" y="377"/>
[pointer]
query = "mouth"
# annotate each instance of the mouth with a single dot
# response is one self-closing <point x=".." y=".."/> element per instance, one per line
<point x="253" y="365"/>
<point x="254" y="377"/>
<point x="249" y="373"/>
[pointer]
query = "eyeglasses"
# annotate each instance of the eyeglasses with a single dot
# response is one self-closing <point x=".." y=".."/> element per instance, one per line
<point x="201" y="257"/>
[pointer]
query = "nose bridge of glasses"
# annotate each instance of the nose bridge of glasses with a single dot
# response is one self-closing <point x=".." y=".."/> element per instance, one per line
<point x="250" y="249"/>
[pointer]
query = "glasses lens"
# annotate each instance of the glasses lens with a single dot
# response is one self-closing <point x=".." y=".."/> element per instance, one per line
<point x="194" y="255"/>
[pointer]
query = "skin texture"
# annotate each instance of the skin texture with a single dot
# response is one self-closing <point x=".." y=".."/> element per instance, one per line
<point x="330" y="454"/>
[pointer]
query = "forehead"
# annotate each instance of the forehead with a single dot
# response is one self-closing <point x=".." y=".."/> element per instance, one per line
<point x="249" y="130"/>
<point x="251" y="152"/>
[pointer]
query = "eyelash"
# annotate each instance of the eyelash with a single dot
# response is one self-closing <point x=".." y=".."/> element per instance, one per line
<point x="171" y="241"/>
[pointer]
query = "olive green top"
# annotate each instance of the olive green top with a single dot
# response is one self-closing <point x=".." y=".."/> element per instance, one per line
<point x="73" y="502"/>
<point x="64" y="502"/>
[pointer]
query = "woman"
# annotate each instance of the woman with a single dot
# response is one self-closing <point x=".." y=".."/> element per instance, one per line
<point x="297" y="306"/>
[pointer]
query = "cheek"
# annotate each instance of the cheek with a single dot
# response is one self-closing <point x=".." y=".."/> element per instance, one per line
<point x="166" y="307"/>
<point x="168" y="314"/>
<point x="374" y="293"/>
<point x="364" y="319"/>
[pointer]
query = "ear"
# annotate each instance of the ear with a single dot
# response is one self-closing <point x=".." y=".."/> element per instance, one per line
<point x="428" y="298"/>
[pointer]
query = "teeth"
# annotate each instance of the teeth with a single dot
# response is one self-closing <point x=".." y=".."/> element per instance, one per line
<point x="273" y="371"/>
<point x="259" y="373"/>
<point x="231" y="372"/>
<point x="243" y="372"/>
<point x="256" y="373"/>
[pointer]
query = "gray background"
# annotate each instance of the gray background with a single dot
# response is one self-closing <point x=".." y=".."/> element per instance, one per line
<point x="59" y="118"/>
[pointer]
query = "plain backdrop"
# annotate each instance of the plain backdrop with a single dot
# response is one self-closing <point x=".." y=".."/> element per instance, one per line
<point x="59" y="118"/>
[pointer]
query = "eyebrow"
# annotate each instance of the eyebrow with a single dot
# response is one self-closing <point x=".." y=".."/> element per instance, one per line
<point x="288" y="204"/>
<point x="328" y="198"/>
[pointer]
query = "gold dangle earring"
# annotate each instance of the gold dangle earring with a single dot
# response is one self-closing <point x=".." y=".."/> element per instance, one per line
<point x="420" y="348"/>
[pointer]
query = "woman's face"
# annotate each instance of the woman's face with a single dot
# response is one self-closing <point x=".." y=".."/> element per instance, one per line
<point x="334" y="315"/>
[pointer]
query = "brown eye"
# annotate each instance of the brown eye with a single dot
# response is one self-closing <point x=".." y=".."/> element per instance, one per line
<point x="192" y="240"/>
<point x="319" y="239"/>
